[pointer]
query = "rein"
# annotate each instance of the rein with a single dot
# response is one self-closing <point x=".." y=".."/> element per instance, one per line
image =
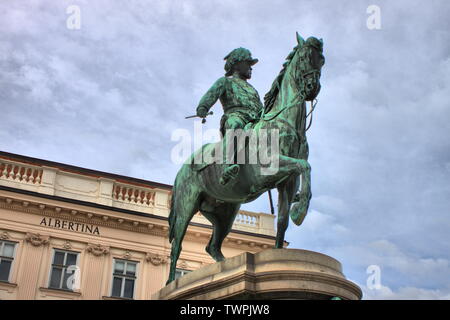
<point x="310" y="113"/>
<point x="271" y="117"/>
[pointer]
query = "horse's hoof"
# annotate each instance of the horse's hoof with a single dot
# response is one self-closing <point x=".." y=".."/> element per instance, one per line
<point x="219" y="257"/>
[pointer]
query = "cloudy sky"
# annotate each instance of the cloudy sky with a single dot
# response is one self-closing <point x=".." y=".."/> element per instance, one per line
<point x="109" y="95"/>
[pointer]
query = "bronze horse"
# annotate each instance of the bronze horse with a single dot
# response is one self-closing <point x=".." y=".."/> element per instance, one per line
<point x="285" y="111"/>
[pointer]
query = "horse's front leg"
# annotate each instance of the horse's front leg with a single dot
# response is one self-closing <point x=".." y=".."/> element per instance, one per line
<point x="283" y="216"/>
<point x="301" y="202"/>
<point x="289" y="169"/>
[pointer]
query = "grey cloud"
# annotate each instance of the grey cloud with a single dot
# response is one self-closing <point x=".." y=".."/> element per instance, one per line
<point x="109" y="96"/>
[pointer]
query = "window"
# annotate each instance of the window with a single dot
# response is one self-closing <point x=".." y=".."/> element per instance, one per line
<point x="7" y="250"/>
<point x="62" y="269"/>
<point x="181" y="272"/>
<point x="124" y="278"/>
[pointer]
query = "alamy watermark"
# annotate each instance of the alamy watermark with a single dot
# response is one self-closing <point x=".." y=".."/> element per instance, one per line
<point x="373" y="21"/>
<point x="373" y="281"/>
<point x="73" y="21"/>
<point x="74" y="280"/>
<point x="236" y="147"/>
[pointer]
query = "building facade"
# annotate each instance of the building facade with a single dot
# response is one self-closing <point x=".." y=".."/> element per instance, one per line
<point x="73" y="233"/>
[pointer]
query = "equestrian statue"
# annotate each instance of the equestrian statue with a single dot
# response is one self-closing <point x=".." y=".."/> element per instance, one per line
<point x="218" y="188"/>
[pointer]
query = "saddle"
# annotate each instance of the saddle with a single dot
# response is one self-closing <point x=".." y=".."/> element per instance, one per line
<point x="207" y="151"/>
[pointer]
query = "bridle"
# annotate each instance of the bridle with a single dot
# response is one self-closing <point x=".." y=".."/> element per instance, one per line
<point x="310" y="113"/>
<point x="302" y="94"/>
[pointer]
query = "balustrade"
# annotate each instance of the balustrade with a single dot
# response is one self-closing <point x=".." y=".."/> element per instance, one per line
<point x="20" y="173"/>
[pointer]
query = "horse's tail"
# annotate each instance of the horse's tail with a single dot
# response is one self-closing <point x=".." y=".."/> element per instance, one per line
<point x="172" y="214"/>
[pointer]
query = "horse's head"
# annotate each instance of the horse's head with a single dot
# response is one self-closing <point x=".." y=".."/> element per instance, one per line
<point x="300" y="73"/>
<point x="309" y="65"/>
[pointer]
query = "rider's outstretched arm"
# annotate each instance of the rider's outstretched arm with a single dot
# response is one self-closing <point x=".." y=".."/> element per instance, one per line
<point x="212" y="95"/>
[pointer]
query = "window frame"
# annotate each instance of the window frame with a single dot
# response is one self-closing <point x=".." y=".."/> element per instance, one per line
<point x="64" y="268"/>
<point x="12" y="259"/>
<point x="123" y="278"/>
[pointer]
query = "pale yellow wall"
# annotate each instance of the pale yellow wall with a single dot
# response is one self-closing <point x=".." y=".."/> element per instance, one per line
<point x="20" y="215"/>
<point x="122" y="235"/>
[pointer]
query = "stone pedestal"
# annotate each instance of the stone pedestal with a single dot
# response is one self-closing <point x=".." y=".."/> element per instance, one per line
<point x="270" y="274"/>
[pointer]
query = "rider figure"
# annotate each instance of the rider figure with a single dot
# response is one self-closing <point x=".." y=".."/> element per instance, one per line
<point x="240" y="100"/>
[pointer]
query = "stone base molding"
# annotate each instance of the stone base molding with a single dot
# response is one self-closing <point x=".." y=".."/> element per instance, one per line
<point x="269" y="274"/>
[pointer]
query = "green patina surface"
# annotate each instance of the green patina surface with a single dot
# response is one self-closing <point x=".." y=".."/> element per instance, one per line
<point x="218" y="189"/>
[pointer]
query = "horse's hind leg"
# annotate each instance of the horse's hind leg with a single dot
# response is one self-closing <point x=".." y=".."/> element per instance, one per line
<point x="222" y="218"/>
<point x="286" y="193"/>
<point x="185" y="208"/>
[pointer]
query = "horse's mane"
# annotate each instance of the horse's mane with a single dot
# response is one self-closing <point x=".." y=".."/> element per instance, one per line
<point x="271" y="96"/>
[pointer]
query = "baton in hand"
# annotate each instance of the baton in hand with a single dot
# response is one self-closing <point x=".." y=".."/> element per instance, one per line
<point x="195" y="116"/>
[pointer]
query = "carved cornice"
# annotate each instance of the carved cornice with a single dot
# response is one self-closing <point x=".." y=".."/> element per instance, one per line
<point x="98" y="219"/>
<point x="36" y="239"/>
<point x="84" y="217"/>
<point x="156" y="259"/>
<point x="97" y="249"/>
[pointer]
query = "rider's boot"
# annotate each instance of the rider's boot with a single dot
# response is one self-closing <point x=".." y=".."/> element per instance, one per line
<point x="229" y="173"/>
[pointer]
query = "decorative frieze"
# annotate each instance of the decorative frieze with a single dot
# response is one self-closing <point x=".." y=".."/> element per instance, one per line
<point x="74" y="220"/>
<point x="97" y="249"/>
<point x="127" y="255"/>
<point x="67" y="245"/>
<point x="156" y="259"/>
<point x="4" y="235"/>
<point x="36" y="239"/>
